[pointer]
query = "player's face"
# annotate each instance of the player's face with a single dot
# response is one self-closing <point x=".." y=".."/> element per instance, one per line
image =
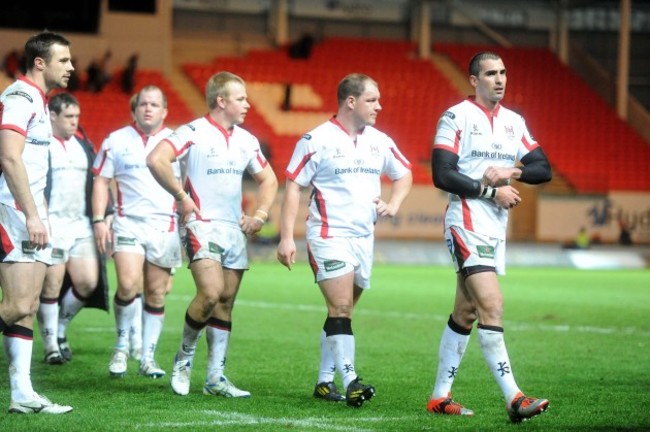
<point x="57" y="71"/>
<point x="65" y="124"/>
<point x="150" y="111"/>
<point x="236" y="103"/>
<point x="490" y="84"/>
<point x="366" y="106"/>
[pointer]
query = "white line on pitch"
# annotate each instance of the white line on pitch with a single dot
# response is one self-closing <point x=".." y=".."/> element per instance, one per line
<point x="239" y="419"/>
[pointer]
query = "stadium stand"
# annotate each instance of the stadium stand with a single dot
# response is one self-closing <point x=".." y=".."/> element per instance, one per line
<point x="584" y="139"/>
<point x="108" y="110"/>
<point x="409" y="114"/>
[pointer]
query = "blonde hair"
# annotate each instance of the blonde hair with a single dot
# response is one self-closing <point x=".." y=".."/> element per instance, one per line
<point x="218" y="86"/>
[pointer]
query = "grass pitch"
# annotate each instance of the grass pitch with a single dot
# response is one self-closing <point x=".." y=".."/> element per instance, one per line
<point x="579" y="338"/>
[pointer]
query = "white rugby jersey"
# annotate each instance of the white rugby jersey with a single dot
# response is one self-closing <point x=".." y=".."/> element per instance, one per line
<point x="481" y="140"/>
<point x="216" y="160"/>
<point x="23" y="108"/>
<point x="68" y="170"/>
<point x="123" y="156"/>
<point x="345" y="176"/>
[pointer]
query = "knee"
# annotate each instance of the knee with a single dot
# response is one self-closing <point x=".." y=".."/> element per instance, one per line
<point x="341" y="310"/>
<point x="24" y="308"/>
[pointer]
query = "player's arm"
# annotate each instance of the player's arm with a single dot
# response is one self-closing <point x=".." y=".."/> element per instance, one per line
<point x="99" y="201"/>
<point x="286" y="253"/>
<point x="160" y="162"/>
<point x="12" y="145"/>
<point x="536" y="168"/>
<point x="400" y="189"/>
<point x="267" y="189"/>
<point x="444" y="170"/>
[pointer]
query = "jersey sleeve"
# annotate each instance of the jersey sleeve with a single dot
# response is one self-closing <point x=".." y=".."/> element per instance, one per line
<point x="527" y="142"/>
<point x="103" y="164"/>
<point x="395" y="165"/>
<point x="304" y="161"/>
<point x="182" y="139"/>
<point x="258" y="161"/>
<point x="448" y="133"/>
<point x="16" y="112"/>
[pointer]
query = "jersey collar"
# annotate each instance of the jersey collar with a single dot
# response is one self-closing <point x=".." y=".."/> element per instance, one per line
<point x="29" y="82"/>
<point x="494" y="113"/>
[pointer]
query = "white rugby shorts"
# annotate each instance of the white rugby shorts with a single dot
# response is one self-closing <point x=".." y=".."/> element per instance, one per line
<point x="335" y="256"/>
<point x="217" y="241"/>
<point x="14" y="239"/>
<point x="159" y="246"/>
<point x="469" y="249"/>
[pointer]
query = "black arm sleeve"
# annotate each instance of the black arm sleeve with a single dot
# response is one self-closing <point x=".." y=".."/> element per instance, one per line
<point x="444" y="170"/>
<point x="536" y="168"/>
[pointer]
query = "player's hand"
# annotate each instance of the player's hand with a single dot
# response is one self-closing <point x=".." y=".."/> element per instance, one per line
<point x="185" y="208"/>
<point x="507" y="197"/>
<point x="384" y="208"/>
<point x="250" y="225"/>
<point x="498" y="176"/>
<point x="102" y="236"/>
<point x="37" y="232"/>
<point x="286" y="253"/>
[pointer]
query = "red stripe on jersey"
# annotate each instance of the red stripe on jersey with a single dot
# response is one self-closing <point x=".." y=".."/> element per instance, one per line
<point x="189" y="189"/>
<point x="97" y="170"/>
<point x="261" y="159"/>
<point x="301" y="165"/>
<point x="467" y="215"/>
<point x="182" y="149"/>
<point x="312" y="262"/>
<point x="400" y="158"/>
<point x="193" y="245"/>
<point x="13" y="128"/>
<point x="456" y="147"/>
<point x="459" y="244"/>
<point x="529" y="145"/>
<point x="5" y="240"/>
<point x="172" y="220"/>
<point x="322" y="210"/>
<point x="120" y="210"/>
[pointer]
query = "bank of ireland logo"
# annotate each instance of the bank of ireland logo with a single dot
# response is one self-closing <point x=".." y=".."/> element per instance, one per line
<point x="125" y="241"/>
<point x="215" y="248"/>
<point x="331" y="265"/>
<point x="485" y="251"/>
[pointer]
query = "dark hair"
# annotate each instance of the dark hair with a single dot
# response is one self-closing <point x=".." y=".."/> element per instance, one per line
<point x="474" y="67"/>
<point x="352" y="85"/>
<point x="39" y="46"/>
<point x="60" y="101"/>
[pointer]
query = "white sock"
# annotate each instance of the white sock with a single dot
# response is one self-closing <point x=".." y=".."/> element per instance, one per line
<point x="494" y="351"/>
<point x="123" y="322"/>
<point x="342" y="349"/>
<point x="450" y="353"/>
<point x="135" y="330"/>
<point x="48" y="316"/>
<point x="70" y="307"/>
<point x="327" y="370"/>
<point x="190" y="339"/>
<point x="218" y="339"/>
<point x="154" y="319"/>
<point x="18" y="352"/>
